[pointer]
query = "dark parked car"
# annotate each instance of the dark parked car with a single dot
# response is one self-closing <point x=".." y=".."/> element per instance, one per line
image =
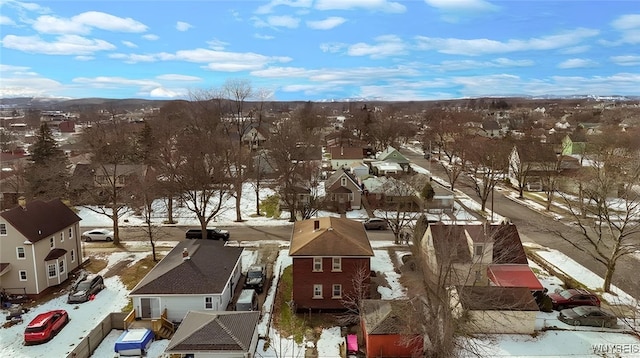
<point x="83" y="290"/>
<point x="588" y="316"/>
<point x="375" y="224"/>
<point x="212" y="234"/>
<point x="256" y="277"/>
<point x="45" y="326"/>
<point x="572" y="298"/>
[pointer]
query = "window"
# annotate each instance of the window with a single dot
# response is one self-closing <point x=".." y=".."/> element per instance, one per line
<point x="51" y="270"/>
<point x="73" y="256"/>
<point x="343" y="182"/>
<point x="336" y="264"/>
<point x="20" y="252"/>
<point x="3" y="229"/>
<point x="208" y="303"/>
<point x="317" y="291"/>
<point x="51" y="242"/>
<point x="317" y="264"/>
<point x="479" y="250"/>
<point x="61" y="236"/>
<point x="61" y="266"/>
<point x="337" y="291"/>
<point x="23" y="275"/>
<point x="70" y="234"/>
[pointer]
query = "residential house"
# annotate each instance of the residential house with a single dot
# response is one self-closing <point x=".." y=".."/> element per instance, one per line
<point x="575" y="143"/>
<point x="342" y="157"/>
<point x="491" y="129"/>
<point x="380" y="168"/>
<point x="12" y="183"/>
<point x="39" y="246"/>
<point x="529" y="164"/>
<point x="385" y="331"/>
<point x="392" y="155"/>
<point x="254" y="135"/>
<point x="443" y="199"/>
<point x="391" y="193"/>
<point x="468" y="250"/>
<point x="196" y="275"/>
<point x="359" y="170"/>
<point x="496" y="310"/>
<point x="216" y="334"/>
<point x="328" y="253"/>
<point x="343" y="191"/>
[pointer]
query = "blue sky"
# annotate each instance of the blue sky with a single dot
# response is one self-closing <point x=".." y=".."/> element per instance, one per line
<point x="320" y="49"/>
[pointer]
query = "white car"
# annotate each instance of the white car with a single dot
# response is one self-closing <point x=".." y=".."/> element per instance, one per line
<point x="98" y="234"/>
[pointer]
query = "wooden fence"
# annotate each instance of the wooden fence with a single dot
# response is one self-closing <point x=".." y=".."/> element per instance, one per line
<point x="88" y="344"/>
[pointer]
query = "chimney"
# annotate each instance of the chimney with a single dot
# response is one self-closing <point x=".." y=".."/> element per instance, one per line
<point x="185" y="254"/>
<point x="22" y="201"/>
<point x="316" y="225"/>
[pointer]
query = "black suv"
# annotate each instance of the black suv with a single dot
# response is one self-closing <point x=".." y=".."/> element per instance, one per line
<point x="212" y="234"/>
<point x="256" y="277"/>
<point x="84" y="289"/>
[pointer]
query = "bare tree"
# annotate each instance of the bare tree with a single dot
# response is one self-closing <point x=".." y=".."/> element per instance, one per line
<point x="487" y="164"/>
<point x="610" y="229"/>
<point x="352" y="300"/>
<point x="399" y="203"/>
<point x="112" y="152"/>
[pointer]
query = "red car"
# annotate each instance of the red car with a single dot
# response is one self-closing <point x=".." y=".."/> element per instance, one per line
<point x="573" y="297"/>
<point x="45" y="326"/>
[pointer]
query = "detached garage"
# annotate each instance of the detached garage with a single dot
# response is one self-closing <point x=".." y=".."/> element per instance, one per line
<point x="494" y="309"/>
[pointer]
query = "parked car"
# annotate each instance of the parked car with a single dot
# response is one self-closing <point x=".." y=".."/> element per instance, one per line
<point x="98" y="234"/>
<point x="572" y="298"/>
<point x="256" y="277"/>
<point x="212" y="234"/>
<point x="375" y="224"/>
<point x="83" y="290"/>
<point x="45" y="326"/>
<point x="588" y="316"/>
<point x="247" y="301"/>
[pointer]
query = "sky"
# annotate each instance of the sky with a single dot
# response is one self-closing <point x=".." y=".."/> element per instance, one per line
<point x="317" y="50"/>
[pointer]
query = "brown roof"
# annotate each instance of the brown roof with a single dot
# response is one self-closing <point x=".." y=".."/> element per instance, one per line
<point x="334" y="237"/>
<point x="346" y="153"/>
<point x="39" y="219"/>
<point x="451" y="240"/>
<point x="205" y="272"/>
<point x="495" y="298"/>
<point x="385" y="316"/>
<point x="215" y="331"/>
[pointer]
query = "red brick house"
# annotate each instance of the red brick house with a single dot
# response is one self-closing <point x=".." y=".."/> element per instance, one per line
<point x="327" y="254"/>
<point x="386" y="330"/>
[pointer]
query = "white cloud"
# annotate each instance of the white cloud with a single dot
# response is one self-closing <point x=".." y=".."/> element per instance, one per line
<point x="183" y="26"/>
<point x="326" y="24"/>
<point x="217" y="45"/>
<point x="575" y="50"/>
<point x="626" y="60"/>
<point x="161" y="92"/>
<point x="465" y="5"/>
<point x="283" y="21"/>
<point x="63" y="45"/>
<point x="332" y="47"/>
<point x="373" y="5"/>
<point x="85" y="22"/>
<point x="461" y="65"/>
<point x="577" y="63"/>
<point x="129" y="44"/>
<point x="6" y="21"/>
<point x="263" y="37"/>
<point x="626" y="22"/>
<point x="151" y="37"/>
<point x="476" y="47"/>
<point x="133" y="58"/>
<point x="84" y="58"/>
<point x="268" y="8"/>
<point x="115" y="82"/>
<point x="176" y="77"/>
<point x="387" y="45"/>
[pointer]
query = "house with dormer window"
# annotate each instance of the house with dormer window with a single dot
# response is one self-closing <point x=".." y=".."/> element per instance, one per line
<point x="327" y="254"/>
<point x="39" y="246"/>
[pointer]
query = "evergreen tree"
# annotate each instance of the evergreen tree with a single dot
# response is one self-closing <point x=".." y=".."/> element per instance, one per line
<point x="47" y="175"/>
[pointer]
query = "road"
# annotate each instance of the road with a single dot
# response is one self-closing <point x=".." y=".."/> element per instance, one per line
<point x="539" y="228"/>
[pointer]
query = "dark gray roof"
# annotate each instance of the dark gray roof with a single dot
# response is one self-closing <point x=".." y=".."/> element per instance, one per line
<point x="39" y="220"/>
<point x="215" y="331"/>
<point x="207" y="270"/>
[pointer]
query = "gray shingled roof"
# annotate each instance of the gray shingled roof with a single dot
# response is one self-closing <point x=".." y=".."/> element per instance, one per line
<point x="39" y="220"/>
<point x="386" y="316"/>
<point x="207" y="271"/>
<point x="215" y="331"/>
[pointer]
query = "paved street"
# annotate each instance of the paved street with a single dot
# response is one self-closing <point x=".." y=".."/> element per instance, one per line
<point x="538" y="228"/>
